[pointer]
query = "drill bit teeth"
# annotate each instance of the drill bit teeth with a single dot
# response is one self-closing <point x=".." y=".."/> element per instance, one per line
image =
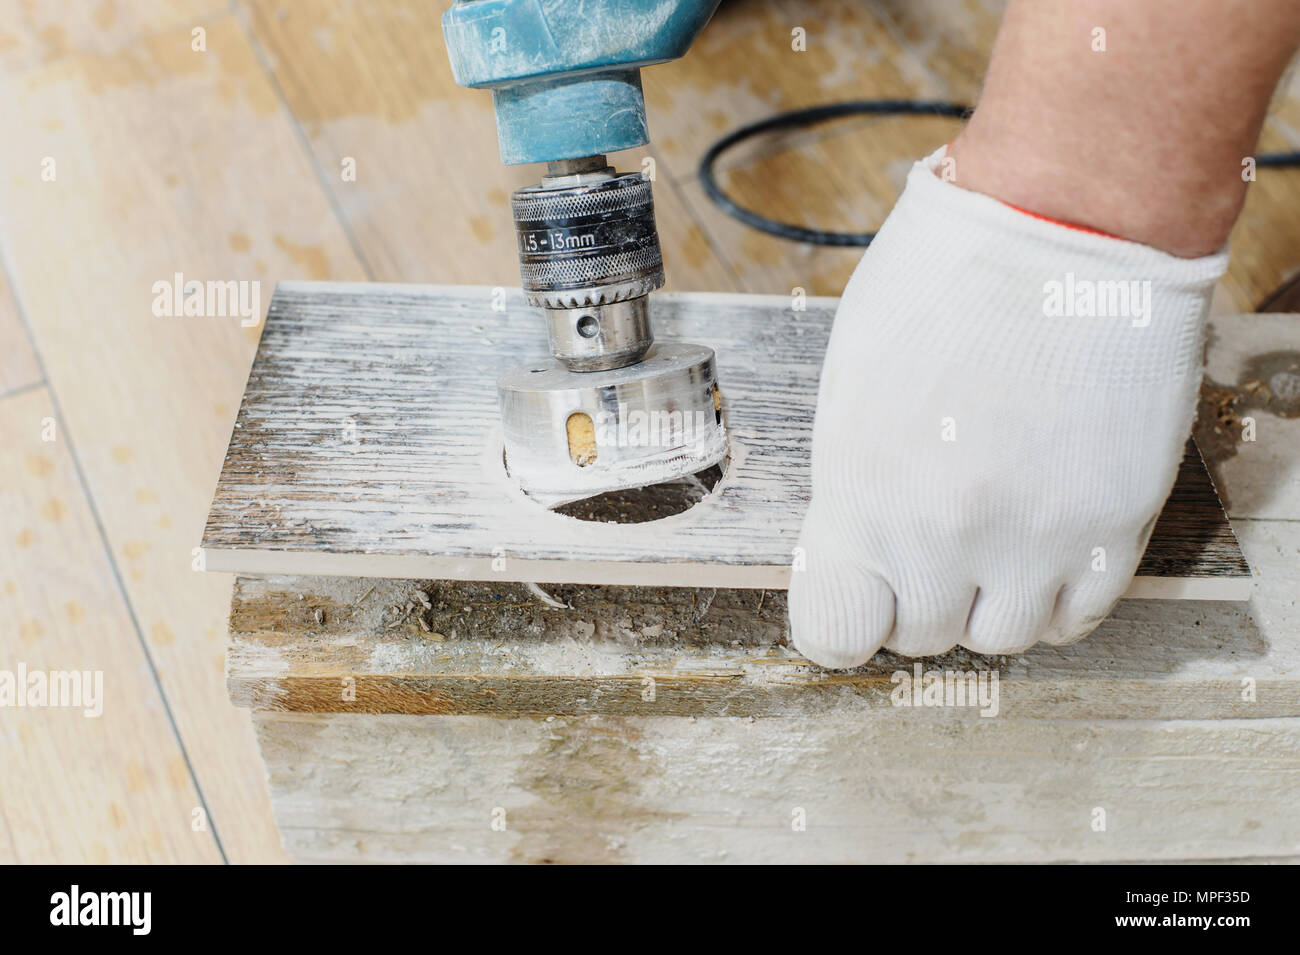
<point x="586" y="298"/>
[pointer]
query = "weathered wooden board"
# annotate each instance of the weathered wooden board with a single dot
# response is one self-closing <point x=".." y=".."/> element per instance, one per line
<point x="1252" y="372"/>
<point x="367" y="445"/>
<point x="298" y="643"/>
<point x="351" y="645"/>
<point x="907" y="785"/>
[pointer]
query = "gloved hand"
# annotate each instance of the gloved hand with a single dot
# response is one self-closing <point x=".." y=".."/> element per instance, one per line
<point x="1003" y="408"/>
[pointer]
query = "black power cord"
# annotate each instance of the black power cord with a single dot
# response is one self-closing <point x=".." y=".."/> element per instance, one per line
<point x="821" y="114"/>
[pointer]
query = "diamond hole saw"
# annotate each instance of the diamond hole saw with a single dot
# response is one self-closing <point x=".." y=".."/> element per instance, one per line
<point x="612" y="408"/>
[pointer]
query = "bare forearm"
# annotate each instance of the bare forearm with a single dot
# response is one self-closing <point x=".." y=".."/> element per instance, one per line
<point x="1143" y="139"/>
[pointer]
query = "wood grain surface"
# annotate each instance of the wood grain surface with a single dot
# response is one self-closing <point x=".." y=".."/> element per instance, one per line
<point x="19" y="368"/>
<point x="62" y="612"/>
<point x="903" y="786"/>
<point x="167" y="160"/>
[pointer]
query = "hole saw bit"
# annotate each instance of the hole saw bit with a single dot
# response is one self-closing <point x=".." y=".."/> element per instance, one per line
<point x="612" y="408"/>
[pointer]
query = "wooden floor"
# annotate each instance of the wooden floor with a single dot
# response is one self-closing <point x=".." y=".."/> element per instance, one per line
<point x="130" y="157"/>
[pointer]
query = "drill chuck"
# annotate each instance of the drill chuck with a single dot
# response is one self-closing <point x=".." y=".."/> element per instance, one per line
<point x="593" y="243"/>
<point x="589" y="254"/>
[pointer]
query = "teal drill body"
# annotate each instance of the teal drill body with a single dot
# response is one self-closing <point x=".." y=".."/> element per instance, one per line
<point x="565" y="75"/>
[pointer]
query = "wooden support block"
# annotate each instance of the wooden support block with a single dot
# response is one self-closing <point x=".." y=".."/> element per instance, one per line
<point x="355" y="645"/>
<point x="903" y="786"/>
<point x="674" y="724"/>
<point x="367" y="445"/>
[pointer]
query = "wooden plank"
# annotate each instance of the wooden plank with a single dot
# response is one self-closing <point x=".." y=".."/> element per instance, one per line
<point x="298" y="643"/>
<point x="168" y="161"/>
<point x="580" y="785"/>
<point x="952" y="39"/>
<point x="497" y="649"/>
<point x="37" y="34"/>
<point x="362" y="448"/>
<point x="18" y="366"/>
<point x="907" y="785"/>
<point x="111" y="786"/>
<point x="1252" y="372"/>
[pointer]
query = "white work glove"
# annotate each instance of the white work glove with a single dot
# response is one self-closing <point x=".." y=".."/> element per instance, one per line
<point x="992" y="447"/>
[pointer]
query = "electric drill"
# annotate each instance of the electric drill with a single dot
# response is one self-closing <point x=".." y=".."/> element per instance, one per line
<point x="613" y="409"/>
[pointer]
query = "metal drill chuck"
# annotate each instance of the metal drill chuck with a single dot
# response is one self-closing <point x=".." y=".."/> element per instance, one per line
<point x="589" y="255"/>
<point x="591" y="243"/>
